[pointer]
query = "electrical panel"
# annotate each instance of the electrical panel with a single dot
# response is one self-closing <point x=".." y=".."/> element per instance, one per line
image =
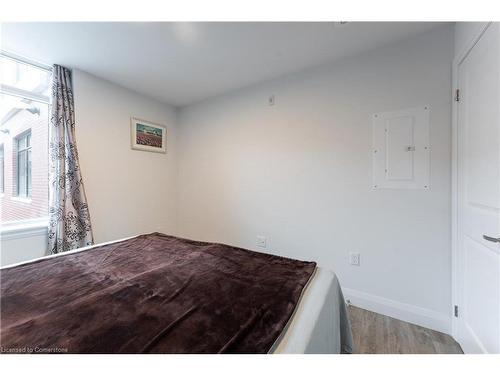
<point x="401" y="150"/>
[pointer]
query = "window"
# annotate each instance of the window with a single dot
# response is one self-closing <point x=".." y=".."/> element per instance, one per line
<point x="24" y="119"/>
<point x="24" y="165"/>
<point x="1" y="170"/>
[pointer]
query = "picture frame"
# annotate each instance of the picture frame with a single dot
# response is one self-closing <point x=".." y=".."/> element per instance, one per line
<point x="147" y="136"/>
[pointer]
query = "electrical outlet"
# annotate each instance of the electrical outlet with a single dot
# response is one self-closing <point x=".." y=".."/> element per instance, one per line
<point x="354" y="259"/>
<point x="261" y="241"/>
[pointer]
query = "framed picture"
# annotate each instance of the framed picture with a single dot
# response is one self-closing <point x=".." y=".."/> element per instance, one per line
<point x="148" y="136"/>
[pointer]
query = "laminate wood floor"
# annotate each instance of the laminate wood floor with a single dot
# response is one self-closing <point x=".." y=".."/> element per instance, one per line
<point x="380" y="334"/>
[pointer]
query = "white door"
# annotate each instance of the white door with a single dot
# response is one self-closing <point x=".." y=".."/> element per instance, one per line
<point x="478" y="258"/>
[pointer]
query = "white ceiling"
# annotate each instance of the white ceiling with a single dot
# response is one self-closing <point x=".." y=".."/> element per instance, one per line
<point x="181" y="63"/>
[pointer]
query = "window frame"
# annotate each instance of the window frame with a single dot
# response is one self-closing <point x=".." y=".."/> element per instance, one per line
<point x="28" y="227"/>
<point x="15" y="91"/>
<point x="26" y="194"/>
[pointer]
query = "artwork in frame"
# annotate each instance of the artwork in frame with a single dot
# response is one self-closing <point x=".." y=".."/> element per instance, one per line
<point x="148" y="136"/>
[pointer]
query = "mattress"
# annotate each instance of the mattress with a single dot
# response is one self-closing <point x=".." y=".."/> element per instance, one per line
<point x="319" y="323"/>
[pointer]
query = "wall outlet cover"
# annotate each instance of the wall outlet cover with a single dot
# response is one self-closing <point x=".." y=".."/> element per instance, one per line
<point x="354" y="259"/>
<point x="261" y="241"/>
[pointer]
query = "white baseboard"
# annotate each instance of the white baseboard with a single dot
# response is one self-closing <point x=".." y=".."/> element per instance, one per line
<point x="409" y="313"/>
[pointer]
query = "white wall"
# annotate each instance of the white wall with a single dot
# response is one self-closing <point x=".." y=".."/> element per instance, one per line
<point x="299" y="172"/>
<point x="128" y="192"/>
<point x="15" y="249"/>
<point x="464" y="33"/>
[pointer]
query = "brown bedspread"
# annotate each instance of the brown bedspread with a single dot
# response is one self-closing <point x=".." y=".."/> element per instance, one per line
<point x="150" y="294"/>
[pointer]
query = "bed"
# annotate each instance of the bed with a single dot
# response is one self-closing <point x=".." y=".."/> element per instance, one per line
<point x="161" y="294"/>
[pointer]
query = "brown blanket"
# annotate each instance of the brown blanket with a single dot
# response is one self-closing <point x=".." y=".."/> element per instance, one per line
<point x="150" y="294"/>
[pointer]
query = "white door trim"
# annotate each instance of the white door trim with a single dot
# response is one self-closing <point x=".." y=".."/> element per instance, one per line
<point x="454" y="175"/>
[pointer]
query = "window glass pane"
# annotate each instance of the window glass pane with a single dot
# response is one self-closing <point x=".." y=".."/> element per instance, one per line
<point x="24" y="77"/>
<point x="10" y="106"/>
<point x="21" y="143"/>
<point x="24" y="130"/>
<point x="28" y="176"/>
<point x="1" y="170"/>
<point x="24" y="117"/>
<point x="21" y="173"/>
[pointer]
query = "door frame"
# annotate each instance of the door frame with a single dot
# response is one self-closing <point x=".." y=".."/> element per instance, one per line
<point x="459" y="58"/>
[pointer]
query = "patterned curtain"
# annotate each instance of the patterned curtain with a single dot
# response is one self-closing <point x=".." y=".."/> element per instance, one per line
<point x="69" y="218"/>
